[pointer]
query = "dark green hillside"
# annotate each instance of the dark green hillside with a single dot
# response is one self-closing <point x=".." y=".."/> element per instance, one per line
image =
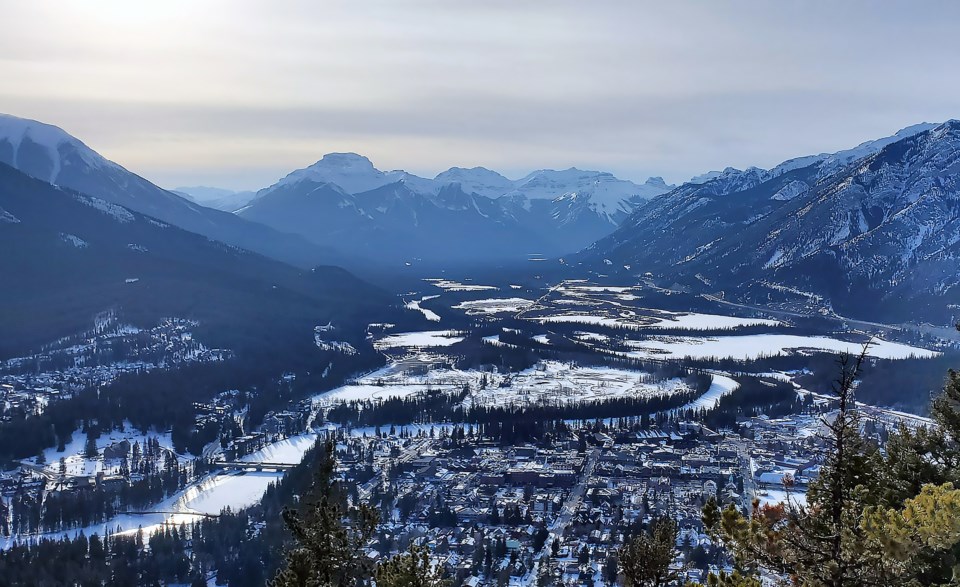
<point x="54" y="284"/>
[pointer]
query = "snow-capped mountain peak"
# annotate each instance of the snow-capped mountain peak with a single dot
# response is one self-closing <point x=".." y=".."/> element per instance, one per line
<point x="609" y="196"/>
<point x="352" y="172"/>
<point x="657" y="182"/>
<point x="50" y="154"/>
<point x="880" y="221"/>
<point x="827" y="162"/>
<point x="344" y="198"/>
<point x="42" y="150"/>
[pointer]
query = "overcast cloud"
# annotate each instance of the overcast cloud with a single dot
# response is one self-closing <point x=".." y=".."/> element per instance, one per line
<point x="236" y="93"/>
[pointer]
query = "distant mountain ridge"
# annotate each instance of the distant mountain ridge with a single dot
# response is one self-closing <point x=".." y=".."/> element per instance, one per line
<point x="48" y="153"/>
<point x="343" y="201"/>
<point x="874" y="230"/>
<point x="217" y="198"/>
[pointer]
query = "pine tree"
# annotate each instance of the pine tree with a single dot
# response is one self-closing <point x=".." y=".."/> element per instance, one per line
<point x="823" y="543"/>
<point x="927" y="455"/>
<point x="90" y="447"/>
<point x="645" y="560"/>
<point x="410" y="569"/>
<point x="329" y="538"/>
<point x="870" y="521"/>
<point x="96" y="548"/>
<point x="916" y="540"/>
<point x="917" y="462"/>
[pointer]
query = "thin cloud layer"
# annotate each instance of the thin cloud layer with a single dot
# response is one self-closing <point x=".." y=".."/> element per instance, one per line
<point x="238" y="93"/>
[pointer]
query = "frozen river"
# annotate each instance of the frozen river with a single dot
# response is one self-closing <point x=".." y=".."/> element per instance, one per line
<point x="207" y="496"/>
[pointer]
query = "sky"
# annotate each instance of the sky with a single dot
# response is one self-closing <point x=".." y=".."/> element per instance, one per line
<point x="237" y="93"/>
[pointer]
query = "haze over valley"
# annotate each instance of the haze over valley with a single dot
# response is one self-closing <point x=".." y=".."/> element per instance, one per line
<point x="545" y="364"/>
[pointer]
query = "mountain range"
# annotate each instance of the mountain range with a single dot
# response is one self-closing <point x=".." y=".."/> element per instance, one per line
<point x="343" y="201"/>
<point x="343" y="210"/>
<point x="870" y="231"/>
<point x="217" y="198"/>
<point x="873" y="231"/>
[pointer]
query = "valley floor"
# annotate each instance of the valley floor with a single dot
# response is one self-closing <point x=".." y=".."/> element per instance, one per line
<point x="575" y="408"/>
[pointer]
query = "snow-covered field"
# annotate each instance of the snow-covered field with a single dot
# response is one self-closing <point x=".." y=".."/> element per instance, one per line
<point x="430" y="338"/>
<point x="580" y="287"/>
<point x="367" y="391"/>
<point x="79" y="465"/>
<point x="552" y="382"/>
<point x="387" y="383"/>
<point x="759" y="345"/>
<point x="777" y="496"/>
<point x="697" y="321"/>
<point x="449" y="285"/>
<point x="590" y="336"/>
<point x="494" y="305"/>
<point x="428" y="314"/>
<point x="720" y="387"/>
<point x="657" y="319"/>
<point x="549" y="382"/>
<point x="582" y="319"/>
<point x="236" y="490"/>
<point x="616" y="306"/>
<point x="286" y="451"/>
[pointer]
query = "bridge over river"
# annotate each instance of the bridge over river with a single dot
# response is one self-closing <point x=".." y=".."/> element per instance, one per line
<point x="256" y="465"/>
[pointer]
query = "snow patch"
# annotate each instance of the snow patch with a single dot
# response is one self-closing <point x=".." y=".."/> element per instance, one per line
<point x="76" y="241"/>
<point x="428" y="314"/>
<point x="8" y="217"/>
<point x="432" y="338"/>
<point x="791" y="191"/>
<point x="749" y="347"/>
<point x="119" y="213"/>
<point x="494" y="305"/>
<point x="448" y="285"/>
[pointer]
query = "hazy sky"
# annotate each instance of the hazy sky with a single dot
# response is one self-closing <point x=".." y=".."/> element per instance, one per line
<point x="237" y="93"/>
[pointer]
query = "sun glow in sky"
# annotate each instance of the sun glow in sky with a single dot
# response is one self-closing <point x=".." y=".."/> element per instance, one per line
<point x="236" y="93"/>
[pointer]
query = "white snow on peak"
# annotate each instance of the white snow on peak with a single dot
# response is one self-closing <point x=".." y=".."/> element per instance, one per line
<point x="416" y="183"/>
<point x="797" y="163"/>
<point x="836" y="160"/>
<point x="17" y="130"/>
<point x="353" y="174"/>
<point x="704" y="177"/>
<point x="605" y="191"/>
<point x="657" y="182"/>
<point x="477" y="180"/>
<point x="828" y="162"/>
